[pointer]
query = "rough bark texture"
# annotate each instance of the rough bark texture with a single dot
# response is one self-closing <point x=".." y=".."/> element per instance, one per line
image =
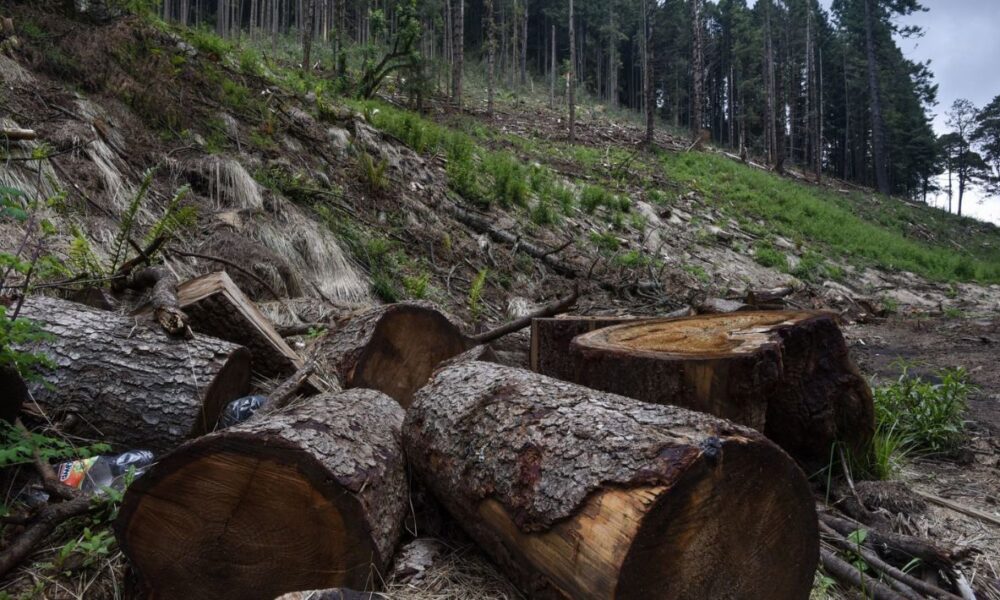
<point x="550" y="340"/>
<point x="786" y="374"/>
<point x="578" y="493"/>
<point x="165" y="307"/>
<point x="131" y="384"/>
<point x="216" y="306"/>
<point x="312" y="497"/>
<point x="392" y="348"/>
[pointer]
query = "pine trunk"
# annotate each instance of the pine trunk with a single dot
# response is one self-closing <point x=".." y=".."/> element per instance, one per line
<point x="306" y="498"/>
<point x="393" y="349"/>
<point x="491" y="51"/>
<point x="786" y="374"/>
<point x="130" y="384"/>
<point x="697" y="67"/>
<point x="577" y="493"/>
<point x="875" y="93"/>
<point x="458" y="51"/>
<point x="571" y="76"/>
<point x="647" y="68"/>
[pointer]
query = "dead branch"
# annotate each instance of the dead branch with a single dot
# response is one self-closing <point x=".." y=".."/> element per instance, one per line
<point x="555" y="308"/>
<point x="43" y="524"/>
<point x="166" y="307"/>
<point x="898" y="546"/>
<point x="849" y="575"/>
<point x="282" y="394"/>
<point x="960" y="508"/>
<point x="905" y="584"/>
<point x="18" y="134"/>
<point x="301" y="329"/>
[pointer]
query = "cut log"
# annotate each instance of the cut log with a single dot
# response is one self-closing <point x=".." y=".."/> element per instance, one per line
<point x="550" y="340"/>
<point x="14" y="393"/>
<point x="17" y="134"/>
<point x="311" y="497"/>
<point x="392" y="348"/>
<point x="582" y="494"/>
<point x="131" y="385"/>
<point x="786" y="374"/>
<point x="216" y="306"/>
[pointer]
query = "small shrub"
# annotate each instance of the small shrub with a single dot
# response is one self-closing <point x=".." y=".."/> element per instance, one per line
<point x="373" y="173"/>
<point x="416" y="287"/>
<point x="510" y="179"/>
<point x="605" y="242"/>
<point x="592" y="197"/>
<point x="634" y="259"/>
<point x="564" y="197"/>
<point x="766" y="255"/>
<point x="928" y="416"/>
<point x="812" y="267"/>
<point x="476" y="294"/>
<point x="463" y="179"/>
<point x="543" y="213"/>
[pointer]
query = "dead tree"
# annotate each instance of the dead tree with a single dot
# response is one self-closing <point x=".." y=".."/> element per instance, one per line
<point x="583" y="494"/>
<point x="129" y="383"/>
<point x="307" y="498"/>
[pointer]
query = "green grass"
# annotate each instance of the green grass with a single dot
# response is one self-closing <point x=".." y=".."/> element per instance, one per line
<point x="864" y="229"/>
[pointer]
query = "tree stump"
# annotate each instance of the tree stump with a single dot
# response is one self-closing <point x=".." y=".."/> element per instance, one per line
<point x="129" y="384"/>
<point x="582" y="494"/>
<point x="312" y="497"/>
<point x="550" y="340"/>
<point x="392" y="348"/>
<point x="786" y="374"/>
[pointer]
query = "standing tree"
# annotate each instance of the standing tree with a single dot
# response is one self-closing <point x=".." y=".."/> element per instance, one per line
<point x="491" y="50"/>
<point x="875" y="101"/>
<point x="697" y="68"/>
<point x="571" y="76"/>
<point x="647" y="67"/>
<point x="458" y="50"/>
<point x="969" y="166"/>
<point x="307" y="36"/>
<point x="987" y="136"/>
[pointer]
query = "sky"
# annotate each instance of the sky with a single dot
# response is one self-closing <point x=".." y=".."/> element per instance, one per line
<point x="962" y="40"/>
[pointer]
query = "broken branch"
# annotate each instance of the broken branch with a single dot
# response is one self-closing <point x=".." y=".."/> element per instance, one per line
<point x="558" y="307"/>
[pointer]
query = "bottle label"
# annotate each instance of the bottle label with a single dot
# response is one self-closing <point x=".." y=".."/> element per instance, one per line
<point x="73" y="473"/>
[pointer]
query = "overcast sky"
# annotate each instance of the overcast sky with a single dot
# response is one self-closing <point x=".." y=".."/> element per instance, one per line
<point x="962" y="40"/>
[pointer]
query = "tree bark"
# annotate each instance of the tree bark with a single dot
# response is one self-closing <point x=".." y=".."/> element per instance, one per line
<point x="308" y="498"/>
<point x="458" y="51"/>
<point x="392" y="348"/>
<point x="581" y="494"/>
<point x="491" y="51"/>
<point x="14" y="392"/>
<point x="571" y="76"/>
<point x="697" y="67"/>
<point x="647" y="68"/>
<point x="551" y="338"/>
<point x="307" y="36"/>
<point x="132" y="385"/>
<point x="786" y="374"/>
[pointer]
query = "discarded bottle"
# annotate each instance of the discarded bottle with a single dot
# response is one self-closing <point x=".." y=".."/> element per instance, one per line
<point x="94" y="474"/>
<point x="240" y="410"/>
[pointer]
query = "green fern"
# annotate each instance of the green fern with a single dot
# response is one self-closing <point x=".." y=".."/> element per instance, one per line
<point x="374" y="172"/>
<point x="128" y="221"/>
<point x="81" y="256"/>
<point x="476" y="294"/>
<point x="175" y="218"/>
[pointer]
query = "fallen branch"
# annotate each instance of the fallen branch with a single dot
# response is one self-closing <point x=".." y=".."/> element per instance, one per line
<point x="18" y="134"/>
<point x="849" y="575"/>
<point x="905" y="584"/>
<point x="960" y="508"/>
<point x="44" y="523"/>
<point x="282" y="394"/>
<point x="301" y="329"/>
<point x="558" y="307"/>
<point x="901" y="547"/>
<point x="166" y="307"/>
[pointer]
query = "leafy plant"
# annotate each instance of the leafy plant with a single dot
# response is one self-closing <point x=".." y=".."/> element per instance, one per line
<point x="18" y="447"/>
<point x="416" y="287"/>
<point x="766" y="255"/>
<point x="374" y="173"/>
<point x="476" y="293"/>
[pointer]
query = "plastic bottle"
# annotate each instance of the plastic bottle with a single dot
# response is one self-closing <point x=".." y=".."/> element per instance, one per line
<point x="240" y="410"/>
<point x="94" y="474"/>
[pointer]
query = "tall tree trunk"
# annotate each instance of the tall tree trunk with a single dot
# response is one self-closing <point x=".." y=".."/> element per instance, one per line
<point x="571" y="76"/>
<point x="491" y="50"/>
<point x="647" y="68"/>
<point x="553" y="70"/>
<point x="524" y="44"/>
<point x="307" y="36"/>
<point x="613" y="60"/>
<point x="458" y="51"/>
<point x="875" y="93"/>
<point x="697" y="68"/>
<point x="770" y="128"/>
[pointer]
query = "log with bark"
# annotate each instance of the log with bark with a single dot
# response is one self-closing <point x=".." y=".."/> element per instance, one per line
<point x="786" y="374"/>
<point x="130" y="384"/>
<point x="550" y="340"/>
<point x="310" y="497"/>
<point x="392" y="348"/>
<point x="216" y="306"/>
<point x="582" y="494"/>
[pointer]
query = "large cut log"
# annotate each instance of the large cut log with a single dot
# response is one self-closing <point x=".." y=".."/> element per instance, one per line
<point x="786" y="374"/>
<point x="582" y="494"/>
<point x="216" y="306"/>
<point x="307" y="498"/>
<point x="392" y="348"/>
<point x="550" y="340"/>
<point x="129" y="384"/>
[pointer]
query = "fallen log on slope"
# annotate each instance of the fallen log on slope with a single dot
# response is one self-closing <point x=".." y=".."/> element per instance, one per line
<point x="311" y="497"/>
<point x="550" y="340"/>
<point x="392" y="348"/>
<point x="131" y="385"/>
<point x="582" y="494"/>
<point x="786" y="374"/>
